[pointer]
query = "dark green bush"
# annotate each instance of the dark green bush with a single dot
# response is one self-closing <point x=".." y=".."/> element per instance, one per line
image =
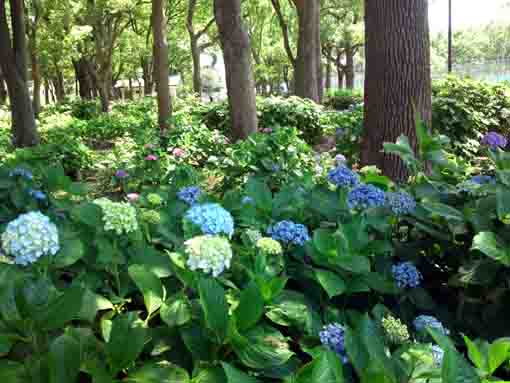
<point x="342" y="99"/>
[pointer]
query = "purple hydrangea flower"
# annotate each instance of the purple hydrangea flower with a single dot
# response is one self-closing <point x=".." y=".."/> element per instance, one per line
<point x="121" y="174"/>
<point x="366" y="196"/>
<point x="406" y="275"/>
<point x="494" y="140"/>
<point x="400" y="203"/>
<point x="483" y="180"/>
<point x="151" y="157"/>
<point x="333" y="337"/>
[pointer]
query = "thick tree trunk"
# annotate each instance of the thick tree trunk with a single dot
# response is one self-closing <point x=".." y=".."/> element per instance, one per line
<point x="398" y="82"/>
<point x="161" y="72"/>
<point x="58" y="83"/>
<point x="14" y="66"/>
<point x="235" y="43"/>
<point x="349" y="68"/>
<point x="84" y="78"/>
<point x="328" y="74"/>
<point x="307" y="74"/>
<point x="195" y="56"/>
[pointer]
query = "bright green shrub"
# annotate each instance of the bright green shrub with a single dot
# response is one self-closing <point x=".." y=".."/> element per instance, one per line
<point x="342" y="99"/>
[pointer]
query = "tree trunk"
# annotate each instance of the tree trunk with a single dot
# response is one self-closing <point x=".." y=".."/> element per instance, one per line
<point x="195" y="56"/>
<point x="307" y="74"/>
<point x="235" y="44"/>
<point x="58" y="83"/>
<point x="14" y="67"/>
<point x="46" y="92"/>
<point x="328" y="74"/>
<point x="398" y="80"/>
<point x="349" y="68"/>
<point x="84" y="78"/>
<point x="161" y="72"/>
<point x="36" y="78"/>
<point x="147" y="72"/>
<point x="3" y="89"/>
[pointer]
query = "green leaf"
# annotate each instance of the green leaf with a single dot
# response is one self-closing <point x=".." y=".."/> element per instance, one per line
<point x="6" y="344"/>
<point x="161" y="372"/>
<point x="251" y="307"/>
<point x="150" y="286"/>
<point x="64" y="359"/>
<point x="176" y="311"/>
<point x="214" y="304"/>
<point x="12" y="372"/>
<point x="62" y="310"/>
<point x="488" y="243"/>
<point x="325" y="242"/>
<point x="332" y="283"/>
<point x="503" y="202"/>
<point x="236" y="376"/>
<point x="261" y="194"/>
<point x="89" y="214"/>
<point x="127" y="339"/>
<point x="210" y="375"/>
<point x="327" y="369"/>
<point x="71" y="251"/>
<point x="357" y="264"/>
<point x="91" y="304"/>
<point x="498" y="354"/>
<point x="475" y="355"/>
<point x="456" y="369"/>
<point x="447" y="212"/>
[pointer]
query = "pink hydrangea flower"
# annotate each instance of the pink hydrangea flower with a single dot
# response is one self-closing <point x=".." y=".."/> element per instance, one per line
<point x="133" y="197"/>
<point x="178" y="152"/>
<point x="151" y="157"/>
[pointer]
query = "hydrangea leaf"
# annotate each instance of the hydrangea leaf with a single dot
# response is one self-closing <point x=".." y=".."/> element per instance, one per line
<point x="332" y="283"/>
<point x="214" y="304"/>
<point x="162" y="372"/>
<point x="150" y="286"/>
<point x="488" y="243"/>
<point x="251" y="307"/>
<point x="236" y="376"/>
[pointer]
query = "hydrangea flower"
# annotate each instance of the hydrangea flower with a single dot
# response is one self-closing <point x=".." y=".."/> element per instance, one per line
<point x="121" y="174"/>
<point x="247" y="200"/>
<point x="133" y="197"/>
<point x="396" y="332"/>
<point x="437" y="355"/>
<point x="366" y="196"/>
<point x="400" y="203"/>
<point x="269" y="246"/>
<point x="253" y="235"/>
<point x="423" y="321"/>
<point x="406" y="275"/>
<point x="340" y="159"/>
<point x="211" y="254"/>
<point x="151" y="157"/>
<point x="21" y="172"/>
<point x="154" y="199"/>
<point x="275" y="168"/>
<point x="178" y="152"/>
<point x="483" y="180"/>
<point x="342" y="176"/>
<point x="37" y="194"/>
<point x="29" y="237"/>
<point x="333" y="337"/>
<point x="190" y="194"/>
<point x="119" y="217"/>
<point x="289" y="232"/>
<point x="211" y="218"/>
<point x="150" y="216"/>
<point x="494" y="140"/>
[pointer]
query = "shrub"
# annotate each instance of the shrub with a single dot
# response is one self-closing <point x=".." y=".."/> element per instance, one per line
<point x="343" y="99"/>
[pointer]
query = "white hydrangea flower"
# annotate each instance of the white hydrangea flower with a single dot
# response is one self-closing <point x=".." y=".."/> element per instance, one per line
<point x="209" y="253"/>
<point x="119" y="217"/>
<point x="29" y="237"/>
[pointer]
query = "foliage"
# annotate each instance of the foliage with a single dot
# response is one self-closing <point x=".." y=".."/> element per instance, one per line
<point x="343" y="99"/>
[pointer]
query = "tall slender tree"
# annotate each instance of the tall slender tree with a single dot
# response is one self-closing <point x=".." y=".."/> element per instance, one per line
<point x="14" y="66"/>
<point x="235" y="43"/>
<point x="398" y="80"/>
<point x="161" y="71"/>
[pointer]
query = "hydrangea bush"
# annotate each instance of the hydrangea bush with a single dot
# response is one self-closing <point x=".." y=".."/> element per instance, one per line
<point x="118" y="217"/>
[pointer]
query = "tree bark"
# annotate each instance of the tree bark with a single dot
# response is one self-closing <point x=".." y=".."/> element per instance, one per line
<point x="147" y="73"/>
<point x="349" y="67"/>
<point x="307" y="74"/>
<point x="235" y="44"/>
<point x="328" y="74"/>
<point x="398" y="80"/>
<point x="161" y="71"/>
<point x="3" y="89"/>
<point x="84" y="78"/>
<point x="14" y="66"/>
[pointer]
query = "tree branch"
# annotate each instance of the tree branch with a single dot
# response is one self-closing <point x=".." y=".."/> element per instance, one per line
<point x="285" y="30"/>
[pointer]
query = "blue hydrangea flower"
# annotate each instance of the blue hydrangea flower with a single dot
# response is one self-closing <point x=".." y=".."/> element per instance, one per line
<point x="29" y="237"/>
<point x="494" y="140"/>
<point x="423" y="321"/>
<point x="190" y="194"/>
<point x="340" y="159"/>
<point x="483" y="180"/>
<point x="365" y="196"/>
<point x="342" y="176"/>
<point x="289" y="232"/>
<point x="333" y="337"/>
<point x="400" y="203"/>
<point x="437" y="355"/>
<point x="21" y="172"/>
<point x="406" y="275"/>
<point x="211" y="218"/>
<point x="37" y="194"/>
<point x="247" y="200"/>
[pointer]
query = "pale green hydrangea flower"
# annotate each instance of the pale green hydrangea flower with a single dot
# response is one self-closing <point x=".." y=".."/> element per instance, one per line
<point x="119" y="217"/>
<point x="150" y="216"/>
<point x="155" y="199"/>
<point x="269" y="246"/>
<point x="211" y="254"/>
<point x="396" y="332"/>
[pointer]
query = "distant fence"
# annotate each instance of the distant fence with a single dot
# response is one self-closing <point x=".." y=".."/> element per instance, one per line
<point x="492" y="71"/>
